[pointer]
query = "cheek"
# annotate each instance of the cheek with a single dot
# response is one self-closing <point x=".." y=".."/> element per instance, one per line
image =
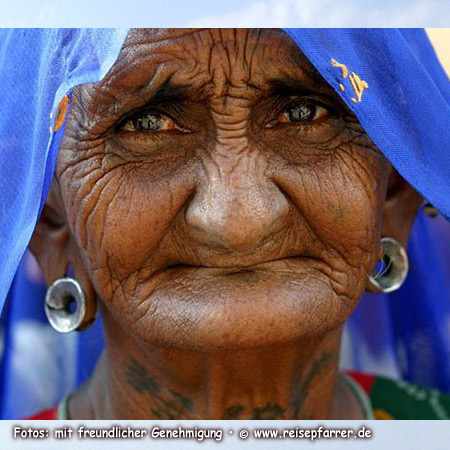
<point x="120" y="211"/>
<point x="350" y="198"/>
<point x="135" y="220"/>
<point x="338" y="186"/>
<point x="340" y="199"/>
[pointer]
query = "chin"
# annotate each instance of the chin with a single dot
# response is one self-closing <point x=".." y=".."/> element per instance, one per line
<point x="210" y="309"/>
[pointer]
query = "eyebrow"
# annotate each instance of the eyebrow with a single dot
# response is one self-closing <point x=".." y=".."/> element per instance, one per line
<point x="167" y="92"/>
<point x="285" y="86"/>
<point x="282" y="86"/>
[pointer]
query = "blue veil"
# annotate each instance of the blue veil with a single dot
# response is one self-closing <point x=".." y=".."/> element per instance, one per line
<point x="392" y="81"/>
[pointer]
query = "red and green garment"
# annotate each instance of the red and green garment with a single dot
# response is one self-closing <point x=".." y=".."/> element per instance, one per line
<point x="397" y="399"/>
<point x="389" y="398"/>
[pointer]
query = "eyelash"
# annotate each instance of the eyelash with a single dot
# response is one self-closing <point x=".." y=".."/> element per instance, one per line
<point x="281" y="107"/>
<point x="177" y="128"/>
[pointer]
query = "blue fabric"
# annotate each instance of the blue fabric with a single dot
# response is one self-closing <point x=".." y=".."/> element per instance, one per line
<point x="37" y="68"/>
<point x="40" y="366"/>
<point x="404" y="109"/>
<point x="406" y="334"/>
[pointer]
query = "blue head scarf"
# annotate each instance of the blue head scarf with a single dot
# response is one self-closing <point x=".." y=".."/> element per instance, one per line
<point x="37" y="68"/>
<point x="392" y="81"/>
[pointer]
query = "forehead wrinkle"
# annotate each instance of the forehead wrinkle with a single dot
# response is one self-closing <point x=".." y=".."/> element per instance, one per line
<point x="136" y="80"/>
<point x="149" y="48"/>
<point x="257" y="56"/>
<point x="106" y="103"/>
<point x="227" y="61"/>
<point x="170" y="46"/>
<point x="248" y="61"/>
<point x="298" y="59"/>
<point x="133" y="71"/>
<point x="143" y="36"/>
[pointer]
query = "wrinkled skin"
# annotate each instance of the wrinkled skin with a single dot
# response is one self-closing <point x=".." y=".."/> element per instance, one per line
<point x="225" y="239"/>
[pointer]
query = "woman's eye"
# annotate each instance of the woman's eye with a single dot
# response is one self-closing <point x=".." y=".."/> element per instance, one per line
<point x="150" y="122"/>
<point x="303" y="112"/>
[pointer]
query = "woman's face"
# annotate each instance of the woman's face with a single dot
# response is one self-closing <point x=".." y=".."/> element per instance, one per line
<point x="218" y="192"/>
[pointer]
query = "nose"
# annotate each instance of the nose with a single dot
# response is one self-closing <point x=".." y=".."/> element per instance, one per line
<point x="236" y="207"/>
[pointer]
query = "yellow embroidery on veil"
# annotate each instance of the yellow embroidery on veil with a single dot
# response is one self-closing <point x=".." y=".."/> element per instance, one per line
<point x="357" y="83"/>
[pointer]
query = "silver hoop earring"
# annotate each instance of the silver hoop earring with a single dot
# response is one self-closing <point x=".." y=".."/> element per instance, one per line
<point x="392" y="270"/>
<point x="65" y="305"/>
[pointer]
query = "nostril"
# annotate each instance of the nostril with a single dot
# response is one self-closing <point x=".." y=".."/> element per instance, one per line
<point x="283" y="191"/>
<point x="237" y="222"/>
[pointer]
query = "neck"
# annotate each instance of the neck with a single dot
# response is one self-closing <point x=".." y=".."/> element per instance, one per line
<point x="290" y="381"/>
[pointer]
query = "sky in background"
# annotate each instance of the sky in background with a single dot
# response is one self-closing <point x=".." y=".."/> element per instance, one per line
<point x="280" y="13"/>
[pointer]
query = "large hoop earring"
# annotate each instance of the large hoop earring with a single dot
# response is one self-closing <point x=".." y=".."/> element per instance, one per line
<point x="66" y="306"/>
<point x="391" y="271"/>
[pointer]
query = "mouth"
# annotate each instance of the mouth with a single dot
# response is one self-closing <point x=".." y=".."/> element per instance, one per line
<point x="237" y="306"/>
<point x="276" y="265"/>
<point x="239" y="278"/>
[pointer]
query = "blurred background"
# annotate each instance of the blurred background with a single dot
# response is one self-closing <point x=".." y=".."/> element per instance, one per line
<point x="232" y="13"/>
<point x="440" y="37"/>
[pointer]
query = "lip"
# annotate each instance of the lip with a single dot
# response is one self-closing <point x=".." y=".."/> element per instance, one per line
<point x="238" y="306"/>
<point x="228" y="275"/>
<point x="276" y="265"/>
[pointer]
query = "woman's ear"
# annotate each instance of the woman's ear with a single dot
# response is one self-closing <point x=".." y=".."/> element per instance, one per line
<point x="54" y="249"/>
<point x="51" y="238"/>
<point x="400" y="208"/>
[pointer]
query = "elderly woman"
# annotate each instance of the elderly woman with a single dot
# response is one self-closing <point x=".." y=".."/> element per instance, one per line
<point x="220" y="201"/>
